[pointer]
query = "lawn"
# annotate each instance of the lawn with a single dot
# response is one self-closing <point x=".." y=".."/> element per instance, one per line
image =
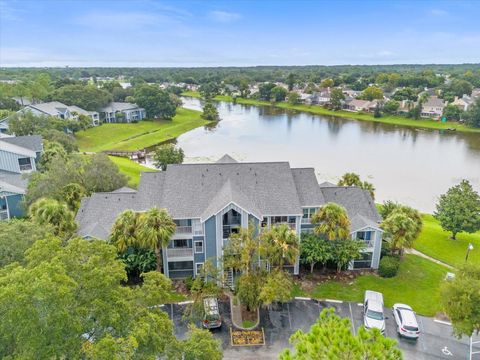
<point x="319" y="110"/>
<point x="135" y="136"/>
<point x="130" y="168"/>
<point x="417" y="284"/>
<point x="436" y="242"/>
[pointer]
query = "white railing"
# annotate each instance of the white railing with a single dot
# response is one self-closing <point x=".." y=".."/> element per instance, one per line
<point x="3" y="214"/>
<point x="292" y="226"/>
<point x="26" y="167"/>
<point x="367" y="243"/>
<point x="306" y="221"/>
<point x="179" y="252"/>
<point x="183" y="230"/>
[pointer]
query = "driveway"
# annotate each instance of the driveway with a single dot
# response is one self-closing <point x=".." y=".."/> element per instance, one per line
<point x="281" y="321"/>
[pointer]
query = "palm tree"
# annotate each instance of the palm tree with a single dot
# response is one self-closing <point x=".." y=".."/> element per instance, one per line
<point x="46" y="211"/>
<point x="280" y="245"/>
<point x="155" y="228"/>
<point x="73" y="194"/>
<point x="400" y="230"/>
<point x="332" y="222"/>
<point x="124" y="230"/>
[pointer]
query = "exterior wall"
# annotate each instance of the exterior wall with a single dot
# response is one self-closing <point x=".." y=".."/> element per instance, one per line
<point x="9" y="162"/>
<point x="198" y="258"/>
<point x="11" y="206"/>
<point x="210" y="238"/>
<point x="375" y="249"/>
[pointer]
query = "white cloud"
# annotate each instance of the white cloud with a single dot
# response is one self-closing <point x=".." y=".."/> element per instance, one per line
<point x="438" y="12"/>
<point x="224" y="16"/>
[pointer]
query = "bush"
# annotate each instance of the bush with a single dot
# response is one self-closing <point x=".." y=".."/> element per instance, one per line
<point x="189" y="282"/>
<point x="388" y="266"/>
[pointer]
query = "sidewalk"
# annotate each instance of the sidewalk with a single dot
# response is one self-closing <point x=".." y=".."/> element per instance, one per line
<point x="418" y="253"/>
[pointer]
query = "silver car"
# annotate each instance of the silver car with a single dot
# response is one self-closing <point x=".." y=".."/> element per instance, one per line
<point x="407" y="324"/>
<point x="373" y="311"/>
<point x="212" y="318"/>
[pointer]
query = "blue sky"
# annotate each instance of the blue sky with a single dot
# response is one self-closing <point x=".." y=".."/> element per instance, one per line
<point x="237" y="33"/>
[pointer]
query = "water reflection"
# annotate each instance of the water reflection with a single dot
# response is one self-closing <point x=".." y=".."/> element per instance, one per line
<point x="410" y="165"/>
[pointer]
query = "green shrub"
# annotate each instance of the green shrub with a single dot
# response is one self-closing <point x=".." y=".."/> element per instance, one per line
<point x="388" y="266"/>
<point x="189" y="282"/>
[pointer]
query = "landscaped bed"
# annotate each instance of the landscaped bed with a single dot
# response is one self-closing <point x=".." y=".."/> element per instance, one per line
<point x="247" y="337"/>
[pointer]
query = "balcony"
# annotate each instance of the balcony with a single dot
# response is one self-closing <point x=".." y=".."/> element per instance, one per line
<point x="292" y="226"/>
<point x="181" y="230"/>
<point x="368" y="243"/>
<point x="179" y="252"/>
<point x="306" y="221"/>
<point x="3" y="215"/>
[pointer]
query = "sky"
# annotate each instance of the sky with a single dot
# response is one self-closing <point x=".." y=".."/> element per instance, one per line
<point x="148" y="33"/>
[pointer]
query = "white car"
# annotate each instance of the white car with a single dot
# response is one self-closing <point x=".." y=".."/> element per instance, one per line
<point x="373" y="311"/>
<point x="406" y="321"/>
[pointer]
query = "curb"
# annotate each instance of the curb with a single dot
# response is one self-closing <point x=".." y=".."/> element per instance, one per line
<point x="239" y="326"/>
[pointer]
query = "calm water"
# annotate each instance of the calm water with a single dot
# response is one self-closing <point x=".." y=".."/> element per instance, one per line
<point x="411" y="166"/>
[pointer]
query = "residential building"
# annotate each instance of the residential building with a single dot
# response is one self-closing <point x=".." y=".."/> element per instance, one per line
<point x="122" y="112"/>
<point x="18" y="156"/>
<point x="209" y="202"/>
<point x="463" y="103"/>
<point x="433" y="107"/>
<point x="357" y="105"/>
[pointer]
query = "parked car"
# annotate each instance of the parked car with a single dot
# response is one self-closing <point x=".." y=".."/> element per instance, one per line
<point x="407" y="324"/>
<point x="373" y="311"/>
<point x="212" y="318"/>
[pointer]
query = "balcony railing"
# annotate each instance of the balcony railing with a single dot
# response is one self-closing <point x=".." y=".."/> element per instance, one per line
<point x="3" y="215"/>
<point x="306" y="221"/>
<point x="229" y="229"/>
<point x="183" y="230"/>
<point x="26" y="167"/>
<point x="292" y="226"/>
<point x="367" y="243"/>
<point x="179" y="252"/>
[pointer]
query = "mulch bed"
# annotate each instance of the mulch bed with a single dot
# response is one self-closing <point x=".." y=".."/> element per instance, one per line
<point x="249" y="315"/>
<point x="247" y="337"/>
<point x="309" y="281"/>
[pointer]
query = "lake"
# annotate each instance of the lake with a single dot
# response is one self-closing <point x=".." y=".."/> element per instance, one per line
<point x="412" y="166"/>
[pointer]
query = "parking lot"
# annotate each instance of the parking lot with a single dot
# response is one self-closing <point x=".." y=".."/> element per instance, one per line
<point x="281" y="321"/>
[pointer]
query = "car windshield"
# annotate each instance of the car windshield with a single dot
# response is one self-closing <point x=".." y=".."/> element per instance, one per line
<point x="411" y="328"/>
<point x="375" y="315"/>
<point x="212" y="317"/>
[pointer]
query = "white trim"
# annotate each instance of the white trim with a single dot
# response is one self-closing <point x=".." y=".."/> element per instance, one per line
<point x="224" y="207"/>
<point x="195" y="267"/>
<point x="366" y="227"/>
<point x="195" y="247"/>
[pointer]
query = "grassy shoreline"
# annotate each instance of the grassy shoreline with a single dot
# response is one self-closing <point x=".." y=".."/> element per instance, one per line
<point x="135" y="136"/>
<point x="318" y="110"/>
<point x="131" y="169"/>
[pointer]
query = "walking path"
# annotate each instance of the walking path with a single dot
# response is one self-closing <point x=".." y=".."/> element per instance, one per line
<point x="418" y="253"/>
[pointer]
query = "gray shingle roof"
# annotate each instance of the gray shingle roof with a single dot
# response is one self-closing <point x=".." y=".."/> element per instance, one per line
<point x="357" y="202"/>
<point x="119" y="106"/>
<point x="191" y="191"/>
<point x="18" y="181"/>
<point x="309" y="192"/>
<point x="31" y="142"/>
<point x="226" y="159"/>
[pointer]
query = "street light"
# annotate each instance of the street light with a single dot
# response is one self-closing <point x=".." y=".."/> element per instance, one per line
<point x="470" y="248"/>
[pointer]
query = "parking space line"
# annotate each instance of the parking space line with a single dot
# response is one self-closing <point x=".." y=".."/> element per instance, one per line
<point x="302" y="298"/>
<point x="334" y="301"/>
<point x="171" y="311"/>
<point x="351" y="317"/>
<point x="289" y="318"/>
<point x="185" y="302"/>
<point x="442" y="322"/>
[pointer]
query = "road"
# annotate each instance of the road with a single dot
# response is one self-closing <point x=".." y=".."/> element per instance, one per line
<point x="281" y="321"/>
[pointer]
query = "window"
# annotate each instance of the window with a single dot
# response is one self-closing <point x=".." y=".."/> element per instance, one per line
<point x="307" y="214"/>
<point x="180" y="265"/>
<point x="198" y="247"/>
<point x="264" y="222"/>
<point x="364" y="235"/>
<point x="180" y="243"/>
<point x="25" y="164"/>
<point x="198" y="268"/>
<point x="197" y="227"/>
<point x="364" y="262"/>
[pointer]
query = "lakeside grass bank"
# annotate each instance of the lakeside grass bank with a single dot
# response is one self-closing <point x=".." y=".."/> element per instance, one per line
<point x="318" y="110"/>
<point x="131" y="169"/>
<point x="136" y="136"/>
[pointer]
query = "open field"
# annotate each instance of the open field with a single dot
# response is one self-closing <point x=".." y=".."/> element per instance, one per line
<point x="435" y="242"/>
<point x="319" y="110"/>
<point x="135" y="136"/>
<point x="130" y="168"/>
<point x="417" y="284"/>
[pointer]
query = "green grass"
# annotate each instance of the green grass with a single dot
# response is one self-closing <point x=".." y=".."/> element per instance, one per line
<point x="319" y="110"/>
<point x="436" y="242"/>
<point x="135" y="136"/>
<point x="416" y="284"/>
<point x="130" y="168"/>
<point x="248" y="323"/>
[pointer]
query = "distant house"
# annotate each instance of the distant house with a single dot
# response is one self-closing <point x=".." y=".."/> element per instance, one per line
<point x="463" y="103"/>
<point x="433" y="107"/>
<point x="60" y="110"/>
<point x="18" y="155"/>
<point x="122" y="112"/>
<point x="406" y="105"/>
<point x="357" y="105"/>
<point x="324" y="96"/>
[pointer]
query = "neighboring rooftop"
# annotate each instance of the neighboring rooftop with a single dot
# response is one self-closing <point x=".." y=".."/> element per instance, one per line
<point x="31" y="142"/>
<point x="119" y="106"/>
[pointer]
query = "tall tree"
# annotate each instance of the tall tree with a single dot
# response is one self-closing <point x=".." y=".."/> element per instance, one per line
<point x="155" y="229"/>
<point x="124" y="230"/>
<point x="352" y="179"/>
<point x="279" y="246"/>
<point x="332" y="222"/>
<point x="314" y="249"/>
<point x="54" y="213"/>
<point x="460" y="298"/>
<point x="472" y="116"/>
<point x="167" y="154"/>
<point x="331" y="338"/>
<point x="156" y="102"/>
<point x="458" y="210"/>
<point x="336" y="97"/>
<point x="200" y="345"/>
<point x="278" y="93"/>
<point x="100" y="174"/>
<point x="345" y="251"/>
<point x="210" y="112"/>
<point x="372" y="93"/>
<point x="87" y="97"/>
<point x="400" y="231"/>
